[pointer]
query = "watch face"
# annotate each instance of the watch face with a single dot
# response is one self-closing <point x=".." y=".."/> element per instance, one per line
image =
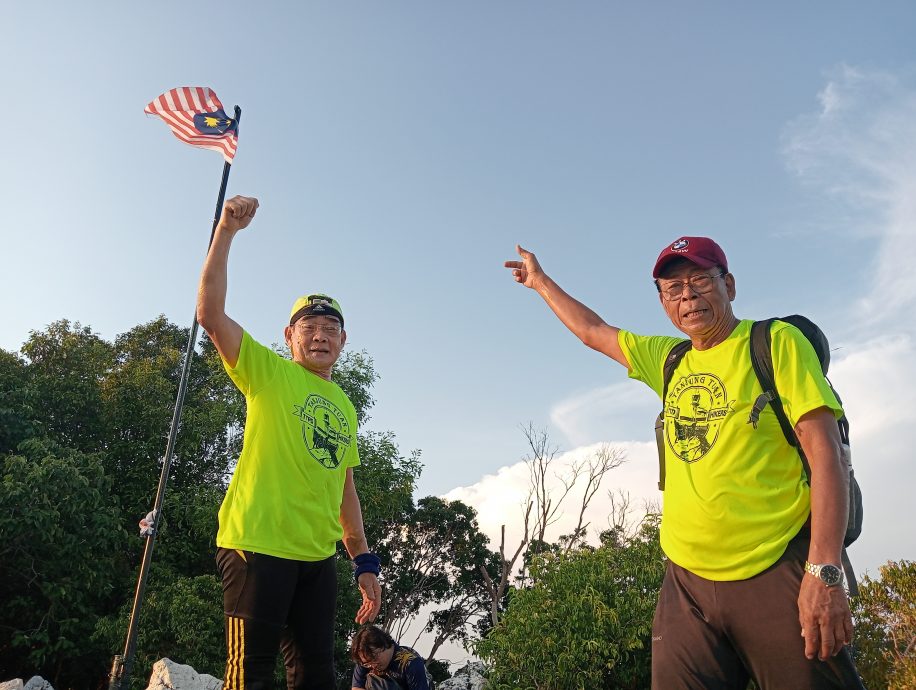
<point x="830" y="575"/>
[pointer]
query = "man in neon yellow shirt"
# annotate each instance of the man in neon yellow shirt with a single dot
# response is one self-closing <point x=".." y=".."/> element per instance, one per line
<point x="750" y="543"/>
<point x="292" y="495"/>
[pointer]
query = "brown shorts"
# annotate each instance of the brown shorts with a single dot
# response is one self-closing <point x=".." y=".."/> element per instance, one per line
<point x="710" y="635"/>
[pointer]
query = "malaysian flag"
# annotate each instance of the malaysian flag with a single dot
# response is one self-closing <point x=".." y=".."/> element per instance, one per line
<point x="195" y="115"/>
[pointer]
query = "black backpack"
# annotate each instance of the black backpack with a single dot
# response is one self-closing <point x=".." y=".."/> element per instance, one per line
<point x="762" y="362"/>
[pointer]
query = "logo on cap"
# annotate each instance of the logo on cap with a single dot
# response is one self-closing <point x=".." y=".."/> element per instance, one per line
<point x="680" y="244"/>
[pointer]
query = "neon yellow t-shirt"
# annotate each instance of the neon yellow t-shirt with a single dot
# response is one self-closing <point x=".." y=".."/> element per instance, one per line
<point x="300" y="438"/>
<point x="734" y="495"/>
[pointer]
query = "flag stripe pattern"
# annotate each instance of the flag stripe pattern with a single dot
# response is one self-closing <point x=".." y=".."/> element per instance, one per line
<point x="210" y="129"/>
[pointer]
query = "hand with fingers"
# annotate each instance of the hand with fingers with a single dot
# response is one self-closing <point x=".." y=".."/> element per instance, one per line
<point x="237" y="213"/>
<point x="826" y="622"/>
<point x="371" y="590"/>
<point x="528" y="271"/>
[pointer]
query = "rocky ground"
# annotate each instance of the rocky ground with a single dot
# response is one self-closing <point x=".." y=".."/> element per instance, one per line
<point x="167" y="675"/>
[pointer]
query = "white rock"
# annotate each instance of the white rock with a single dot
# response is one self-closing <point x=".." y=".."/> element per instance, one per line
<point x="167" y="675"/>
<point x="15" y="684"/>
<point x="468" y="677"/>
<point x="37" y="683"/>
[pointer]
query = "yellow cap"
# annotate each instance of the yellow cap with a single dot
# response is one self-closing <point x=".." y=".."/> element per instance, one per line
<point x="315" y="305"/>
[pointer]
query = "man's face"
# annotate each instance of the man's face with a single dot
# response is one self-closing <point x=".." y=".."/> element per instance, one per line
<point x="378" y="660"/>
<point x="316" y="342"/>
<point x="694" y="312"/>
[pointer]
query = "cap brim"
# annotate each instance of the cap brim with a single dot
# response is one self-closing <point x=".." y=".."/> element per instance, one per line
<point x="309" y="310"/>
<point x="668" y="258"/>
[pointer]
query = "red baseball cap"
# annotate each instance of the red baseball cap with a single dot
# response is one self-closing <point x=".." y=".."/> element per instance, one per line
<point x="701" y="251"/>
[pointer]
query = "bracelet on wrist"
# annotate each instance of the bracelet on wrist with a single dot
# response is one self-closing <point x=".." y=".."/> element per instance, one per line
<point x="366" y="563"/>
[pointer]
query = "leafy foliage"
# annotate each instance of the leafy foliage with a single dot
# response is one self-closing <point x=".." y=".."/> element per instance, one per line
<point x="17" y="418"/>
<point x="435" y="554"/>
<point x="59" y="535"/>
<point x="585" y="622"/>
<point x="885" y="627"/>
<point x="181" y="618"/>
<point x="83" y="427"/>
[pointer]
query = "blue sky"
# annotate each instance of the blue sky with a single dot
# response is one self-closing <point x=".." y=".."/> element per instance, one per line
<point x="401" y="150"/>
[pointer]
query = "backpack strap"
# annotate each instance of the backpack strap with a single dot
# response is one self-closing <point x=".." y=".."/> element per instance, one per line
<point x="675" y="355"/>
<point x="762" y="362"/>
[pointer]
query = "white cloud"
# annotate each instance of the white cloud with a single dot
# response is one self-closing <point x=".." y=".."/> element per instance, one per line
<point x="500" y="498"/>
<point x="860" y="149"/>
<point x="876" y="382"/>
<point x="622" y="411"/>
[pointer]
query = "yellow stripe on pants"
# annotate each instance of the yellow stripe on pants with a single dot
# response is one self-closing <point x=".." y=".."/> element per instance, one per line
<point x="235" y="654"/>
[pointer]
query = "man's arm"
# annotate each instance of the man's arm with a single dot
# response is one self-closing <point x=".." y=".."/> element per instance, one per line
<point x="824" y="611"/>
<point x="354" y="539"/>
<point x="225" y="333"/>
<point x="582" y="321"/>
<point x="358" y="681"/>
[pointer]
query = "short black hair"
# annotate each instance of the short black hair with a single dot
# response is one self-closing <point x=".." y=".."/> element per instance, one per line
<point x="367" y="641"/>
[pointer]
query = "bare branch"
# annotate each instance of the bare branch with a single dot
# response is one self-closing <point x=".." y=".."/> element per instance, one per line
<point x="598" y="464"/>
<point x="540" y="465"/>
<point x="497" y="590"/>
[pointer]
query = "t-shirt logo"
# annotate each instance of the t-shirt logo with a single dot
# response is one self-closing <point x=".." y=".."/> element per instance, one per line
<point x="325" y="430"/>
<point x="694" y="411"/>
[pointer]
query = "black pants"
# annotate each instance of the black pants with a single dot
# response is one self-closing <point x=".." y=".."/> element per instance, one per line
<point x="271" y="604"/>
<point x="716" y="635"/>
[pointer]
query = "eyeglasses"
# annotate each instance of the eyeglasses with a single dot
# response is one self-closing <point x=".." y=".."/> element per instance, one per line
<point x="370" y="657"/>
<point x="700" y="284"/>
<point x="312" y="328"/>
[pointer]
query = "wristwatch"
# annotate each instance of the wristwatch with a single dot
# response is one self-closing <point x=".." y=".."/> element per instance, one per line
<point x="829" y="574"/>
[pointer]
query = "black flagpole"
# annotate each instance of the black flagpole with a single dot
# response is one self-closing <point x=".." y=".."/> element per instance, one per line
<point x="121" y="666"/>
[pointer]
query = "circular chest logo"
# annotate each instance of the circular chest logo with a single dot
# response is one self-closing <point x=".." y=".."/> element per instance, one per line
<point x="694" y="411"/>
<point x="325" y="430"/>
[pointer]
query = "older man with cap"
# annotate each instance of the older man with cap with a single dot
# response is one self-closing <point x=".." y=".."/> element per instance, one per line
<point x="292" y="496"/>
<point x="749" y="540"/>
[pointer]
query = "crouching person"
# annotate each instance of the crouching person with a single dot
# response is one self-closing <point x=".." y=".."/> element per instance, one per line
<point x="383" y="664"/>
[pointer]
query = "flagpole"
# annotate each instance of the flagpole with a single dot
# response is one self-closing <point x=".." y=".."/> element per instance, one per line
<point x="122" y="664"/>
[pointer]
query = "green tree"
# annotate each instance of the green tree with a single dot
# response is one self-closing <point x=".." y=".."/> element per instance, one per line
<point x="67" y="364"/>
<point x="139" y="397"/>
<point x="585" y="622"/>
<point x="435" y="554"/>
<point x="885" y="627"/>
<point x="83" y="424"/>
<point x="16" y="413"/>
<point x="84" y="434"/>
<point x="59" y="538"/>
<point x="182" y="619"/>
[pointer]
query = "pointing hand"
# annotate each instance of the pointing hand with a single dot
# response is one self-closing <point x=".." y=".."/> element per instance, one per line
<point x="527" y="271"/>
